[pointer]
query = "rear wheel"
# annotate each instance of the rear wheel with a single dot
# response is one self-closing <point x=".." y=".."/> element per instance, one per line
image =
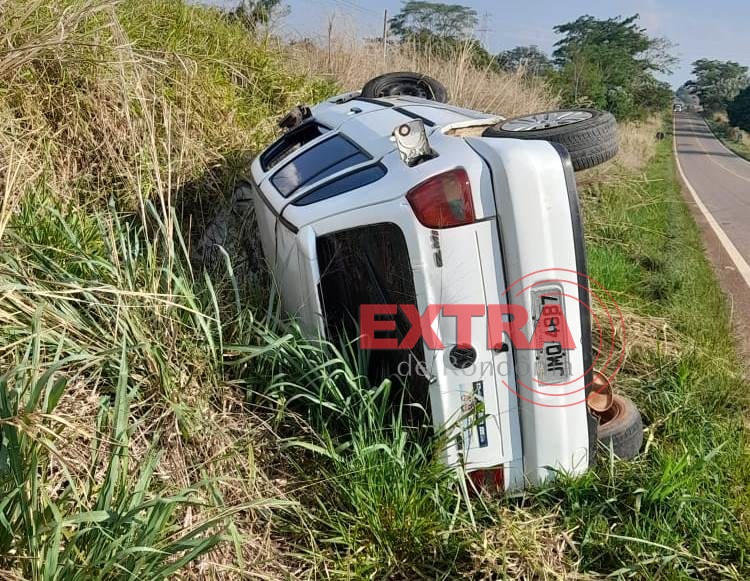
<point x="405" y="83"/>
<point x="621" y="428"/>
<point x="590" y="136"/>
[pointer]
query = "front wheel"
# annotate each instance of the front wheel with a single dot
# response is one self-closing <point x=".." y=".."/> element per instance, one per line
<point x="590" y="136"/>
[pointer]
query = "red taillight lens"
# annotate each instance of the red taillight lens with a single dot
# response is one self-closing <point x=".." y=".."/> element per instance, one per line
<point x="491" y="480"/>
<point x="443" y="201"/>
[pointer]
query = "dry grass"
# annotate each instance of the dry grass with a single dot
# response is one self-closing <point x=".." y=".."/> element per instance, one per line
<point x="637" y="140"/>
<point x="525" y="546"/>
<point x="633" y="340"/>
<point x="353" y="62"/>
<point x="113" y="114"/>
<point x="107" y="107"/>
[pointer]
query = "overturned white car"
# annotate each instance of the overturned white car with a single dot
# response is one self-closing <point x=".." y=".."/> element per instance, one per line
<point x="450" y="241"/>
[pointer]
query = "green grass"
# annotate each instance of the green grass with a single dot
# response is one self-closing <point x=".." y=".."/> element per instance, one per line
<point x="378" y="502"/>
<point x="680" y="509"/>
<point x="159" y="421"/>
<point x="735" y="139"/>
<point x="126" y="447"/>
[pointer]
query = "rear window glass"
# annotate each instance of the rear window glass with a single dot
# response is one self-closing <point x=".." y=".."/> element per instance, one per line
<point x="351" y="181"/>
<point x="291" y="142"/>
<point x="325" y="159"/>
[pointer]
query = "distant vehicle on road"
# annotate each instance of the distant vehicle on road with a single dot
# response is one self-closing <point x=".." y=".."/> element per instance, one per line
<point x="677" y="108"/>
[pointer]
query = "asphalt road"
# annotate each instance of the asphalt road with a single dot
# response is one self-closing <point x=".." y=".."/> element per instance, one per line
<point x="718" y="189"/>
<point x="721" y="181"/>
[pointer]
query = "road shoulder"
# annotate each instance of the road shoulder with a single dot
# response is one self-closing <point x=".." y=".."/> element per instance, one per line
<point x="730" y="278"/>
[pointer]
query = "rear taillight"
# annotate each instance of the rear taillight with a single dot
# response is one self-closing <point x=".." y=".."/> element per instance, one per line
<point x="491" y="480"/>
<point x="443" y="201"/>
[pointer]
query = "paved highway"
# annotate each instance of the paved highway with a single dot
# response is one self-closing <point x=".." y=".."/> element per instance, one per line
<point x="719" y="182"/>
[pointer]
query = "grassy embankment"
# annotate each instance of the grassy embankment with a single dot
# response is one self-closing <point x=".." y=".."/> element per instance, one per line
<point x="735" y="139"/>
<point x="129" y="446"/>
<point x="679" y="509"/>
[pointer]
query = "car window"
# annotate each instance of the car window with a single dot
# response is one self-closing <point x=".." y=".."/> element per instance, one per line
<point x="291" y="142"/>
<point x="350" y="181"/>
<point x="322" y="160"/>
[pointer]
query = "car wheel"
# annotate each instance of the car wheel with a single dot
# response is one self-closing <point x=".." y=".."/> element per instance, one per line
<point x="590" y="136"/>
<point x="621" y="428"/>
<point x="405" y="83"/>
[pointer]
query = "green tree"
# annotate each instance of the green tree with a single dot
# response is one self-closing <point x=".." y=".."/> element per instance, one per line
<point x="611" y="64"/>
<point x="716" y="83"/>
<point x="739" y="110"/>
<point x="255" y="12"/>
<point x="427" y="21"/>
<point x="528" y="59"/>
<point x="443" y="29"/>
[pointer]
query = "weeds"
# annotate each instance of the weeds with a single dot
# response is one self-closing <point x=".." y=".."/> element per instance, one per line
<point x="158" y="421"/>
<point x="678" y="510"/>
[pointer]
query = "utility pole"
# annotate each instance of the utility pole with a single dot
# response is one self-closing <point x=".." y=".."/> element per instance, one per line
<point x="385" y="37"/>
<point x="482" y="32"/>
<point x="330" y="41"/>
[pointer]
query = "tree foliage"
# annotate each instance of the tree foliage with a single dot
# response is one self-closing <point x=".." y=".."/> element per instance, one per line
<point x="444" y="30"/>
<point x="739" y="110"/>
<point x="252" y="13"/>
<point x="527" y="59"/>
<point x="425" y="21"/>
<point x="610" y="64"/>
<point x="717" y="83"/>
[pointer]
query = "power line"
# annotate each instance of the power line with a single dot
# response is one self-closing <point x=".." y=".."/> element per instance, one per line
<point x="354" y="6"/>
<point x="485" y="29"/>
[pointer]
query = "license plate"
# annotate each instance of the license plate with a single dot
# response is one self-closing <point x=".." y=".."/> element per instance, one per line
<point x="548" y="309"/>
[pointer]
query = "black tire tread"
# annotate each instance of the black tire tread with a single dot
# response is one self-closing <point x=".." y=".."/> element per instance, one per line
<point x="593" y="156"/>
<point x="624" y="434"/>
<point x="374" y="87"/>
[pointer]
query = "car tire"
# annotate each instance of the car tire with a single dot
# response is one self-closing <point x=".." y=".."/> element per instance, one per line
<point x="590" y="136"/>
<point x="621" y="428"/>
<point x="405" y="83"/>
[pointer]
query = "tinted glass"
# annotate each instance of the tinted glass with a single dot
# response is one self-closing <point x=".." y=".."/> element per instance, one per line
<point x="324" y="159"/>
<point x="365" y="266"/>
<point x="289" y="143"/>
<point x="344" y="184"/>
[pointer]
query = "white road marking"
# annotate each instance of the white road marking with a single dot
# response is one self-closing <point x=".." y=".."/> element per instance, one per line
<point x="734" y="255"/>
<point x="721" y="165"/>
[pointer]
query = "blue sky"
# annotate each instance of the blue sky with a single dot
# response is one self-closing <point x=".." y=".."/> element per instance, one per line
<point x="717" y="29"/>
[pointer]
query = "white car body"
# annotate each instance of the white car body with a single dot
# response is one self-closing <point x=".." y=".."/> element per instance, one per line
<point x="526" y="222"/>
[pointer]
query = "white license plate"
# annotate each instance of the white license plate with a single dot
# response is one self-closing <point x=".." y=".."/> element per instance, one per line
<point x="553" y="362"/>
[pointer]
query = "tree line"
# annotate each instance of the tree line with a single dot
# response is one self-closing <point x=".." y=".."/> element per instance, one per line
<point x="610" y="64"/>
<point x="721" y="86"/>
<point x="607" y="64"/>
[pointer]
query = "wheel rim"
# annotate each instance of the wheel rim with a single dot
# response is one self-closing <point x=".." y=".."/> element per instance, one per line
<point x="412" y="89"/>
<point x="546" y="120"/>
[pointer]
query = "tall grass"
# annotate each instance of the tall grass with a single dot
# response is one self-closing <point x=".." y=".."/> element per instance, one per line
<point x="61" y="524"/>
<point x="382" y="502"/>
<point x="127" y="450"/>
<point x="351" y="62"/>
<point x="159" y="421"/>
